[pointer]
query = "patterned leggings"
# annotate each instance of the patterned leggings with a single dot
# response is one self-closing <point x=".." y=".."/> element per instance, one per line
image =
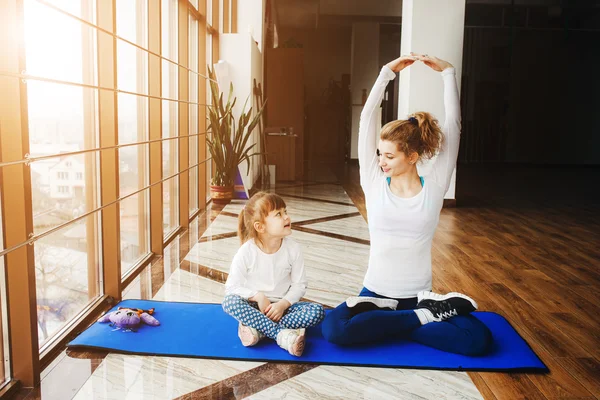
<point x="299" y="315"/>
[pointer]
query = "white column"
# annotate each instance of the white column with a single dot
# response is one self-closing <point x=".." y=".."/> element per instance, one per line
<point x="364" y="70"/>
<point x="436" y="28"/>
<point x="250" y="18"/>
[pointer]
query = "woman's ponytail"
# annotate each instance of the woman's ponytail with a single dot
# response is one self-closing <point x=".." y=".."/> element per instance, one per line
<point x="420" y="134"/>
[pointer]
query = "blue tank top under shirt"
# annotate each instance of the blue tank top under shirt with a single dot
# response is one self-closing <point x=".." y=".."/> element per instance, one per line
<point x="389" y="180"/>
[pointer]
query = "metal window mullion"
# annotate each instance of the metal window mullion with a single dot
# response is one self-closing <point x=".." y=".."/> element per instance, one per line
<point x="193" y="121"/>
<point x="202" y="93"/>
<point x="216" y="12"/>
<point x="234" y="15"/>
<point x="173" y="116"/>
<point x="90" y="102"/>
<point x="109" y="159"/>
<point x="155" y="126"/>
<point x="183" y="143"/>
<point x="226" y="16"/>
<point x="142" y="130"/>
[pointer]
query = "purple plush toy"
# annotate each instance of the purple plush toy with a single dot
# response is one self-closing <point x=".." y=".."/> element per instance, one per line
<point x="129" y="319"/>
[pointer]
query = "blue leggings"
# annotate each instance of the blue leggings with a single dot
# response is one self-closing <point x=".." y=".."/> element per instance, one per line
<point x="299" y="315"/>
<point x="462" y="334"/>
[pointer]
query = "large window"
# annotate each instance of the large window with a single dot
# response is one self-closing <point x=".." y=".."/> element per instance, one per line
<point x="63" y="120"/>
<point x="132" y="76"/>
<point x="170" y="115"/>
<point x="97" y="113"/>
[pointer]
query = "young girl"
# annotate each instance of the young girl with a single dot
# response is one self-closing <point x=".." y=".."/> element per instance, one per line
<point x="404" y="211"/>
<point x="267" y="278"/>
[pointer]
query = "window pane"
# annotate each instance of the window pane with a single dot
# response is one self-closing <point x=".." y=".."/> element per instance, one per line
<point x="170" y="166"/>
<point x="134" y="210"/>
<point x="63" y="188"/>
<point x="135" y="228"/>
<point x="132" y="63"/>
<point x="67" y="267"/>
<point x="132" y="21"/>
<point x="171" y="205"/>
<point x="169" y="29"/>
<point x="58" y="46"/>
<point x="131" y="68"/>
<point x="133" y="169"/>
<point x="133" y="118"/>
<point x="62" y="118"/>
<point x="82" y="9"/>
<point x="209" y="11"/>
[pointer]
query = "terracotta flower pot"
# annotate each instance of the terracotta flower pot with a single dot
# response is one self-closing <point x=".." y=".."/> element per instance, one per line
<point x="221" y="194"/>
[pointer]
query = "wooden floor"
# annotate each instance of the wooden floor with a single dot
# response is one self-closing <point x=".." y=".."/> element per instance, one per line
<point x="525" y="242"/>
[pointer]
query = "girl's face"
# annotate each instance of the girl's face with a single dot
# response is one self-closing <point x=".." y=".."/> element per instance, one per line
<point x="278" y="223"/>
<point x="393" y="161"/>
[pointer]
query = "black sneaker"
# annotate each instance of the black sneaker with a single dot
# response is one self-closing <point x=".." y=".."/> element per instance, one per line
<point x="361" y="304"/>
<point x="444" y="306"/>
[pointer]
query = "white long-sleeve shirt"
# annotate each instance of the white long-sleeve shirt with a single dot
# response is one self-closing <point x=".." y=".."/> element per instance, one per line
<point x="402" y="229"/>
<point x="280" y="275"/>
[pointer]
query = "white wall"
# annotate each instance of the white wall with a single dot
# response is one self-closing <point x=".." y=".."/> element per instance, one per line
<point x="364" y="71"/>
<point x="257" y="72"/>
<point x="251" y="19"/>
<point x="435" y="28"/>
<point x="243" y="63"/>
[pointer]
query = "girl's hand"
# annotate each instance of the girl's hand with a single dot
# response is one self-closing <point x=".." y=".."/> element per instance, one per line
<point x="275" y="311"/>
<point x="436" y="64"/>
<point x="401" y="62"/>
<point x="262" y="301"/>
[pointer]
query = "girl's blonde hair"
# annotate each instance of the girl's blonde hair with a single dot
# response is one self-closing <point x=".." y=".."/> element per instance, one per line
<point x="256" y="210"/>
<point x="420" y="133"/>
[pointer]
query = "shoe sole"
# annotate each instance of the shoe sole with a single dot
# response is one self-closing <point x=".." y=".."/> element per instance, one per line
<point x="298" y="347"/>
<point x="381" y="303"/>
<point x="246" y="336"/>
<point x="423" y="296"/>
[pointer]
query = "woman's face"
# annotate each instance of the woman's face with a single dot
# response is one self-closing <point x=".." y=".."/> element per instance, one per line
<point x="393" y="161"/>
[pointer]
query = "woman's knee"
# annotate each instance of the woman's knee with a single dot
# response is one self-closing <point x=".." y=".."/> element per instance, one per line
<point x="334" y="329"/>
<point x="479" y="342"/>
<point x="482" y="343"/>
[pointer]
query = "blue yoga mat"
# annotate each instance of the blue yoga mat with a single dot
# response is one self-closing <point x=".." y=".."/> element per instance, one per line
<point x="205" y="331"/>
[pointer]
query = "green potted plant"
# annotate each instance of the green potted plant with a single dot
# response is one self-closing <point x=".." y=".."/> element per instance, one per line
<point x="227" y="144"/>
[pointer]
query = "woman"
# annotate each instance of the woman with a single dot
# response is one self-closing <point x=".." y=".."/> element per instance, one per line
<point x="404" y="211"/>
